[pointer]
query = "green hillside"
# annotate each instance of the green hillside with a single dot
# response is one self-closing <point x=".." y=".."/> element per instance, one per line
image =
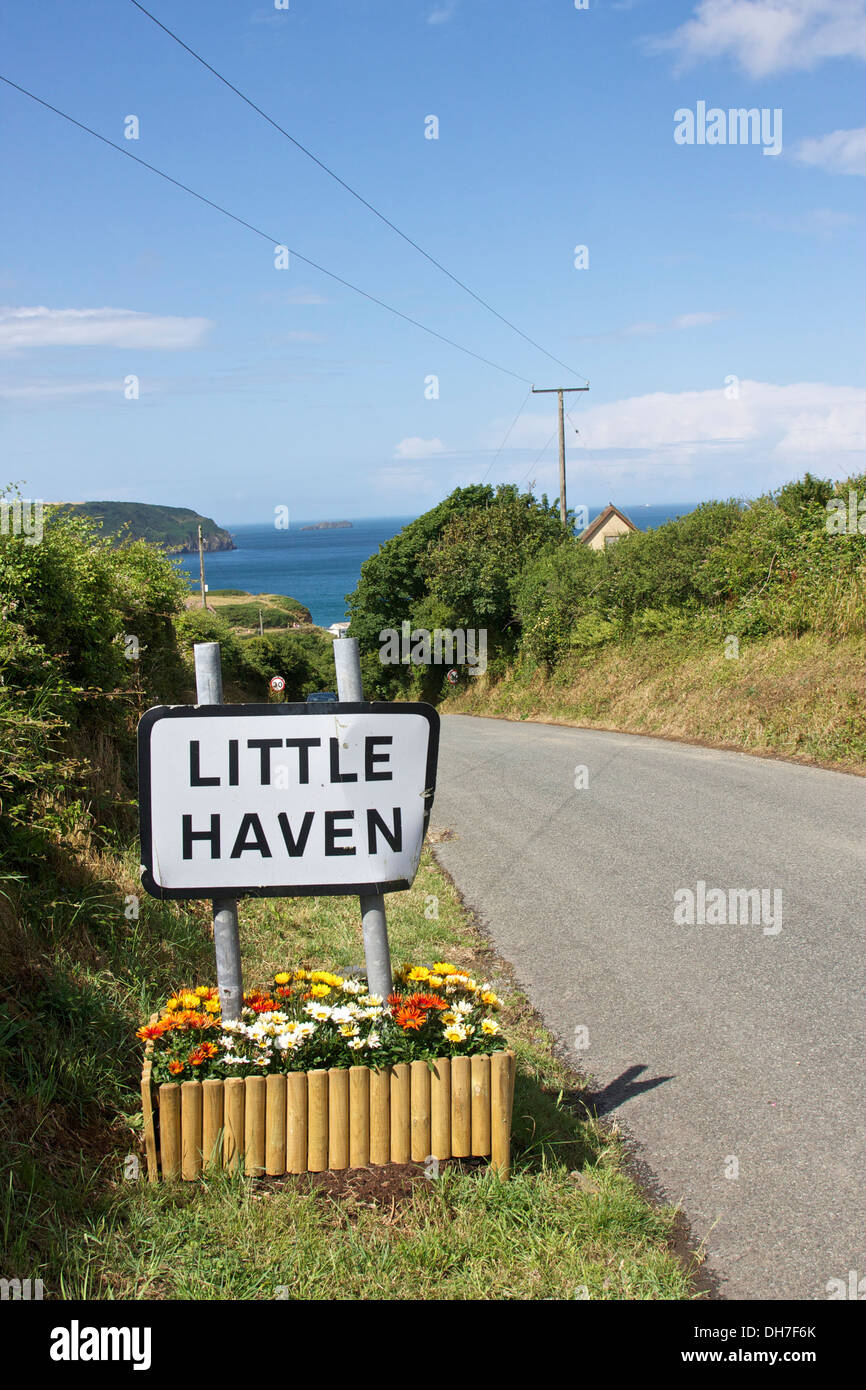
<point x="241" y="610"/>
<point x="173" y="527"/>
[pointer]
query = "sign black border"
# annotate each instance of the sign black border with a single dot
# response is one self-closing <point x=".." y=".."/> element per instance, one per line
<point x="157" y="712"/>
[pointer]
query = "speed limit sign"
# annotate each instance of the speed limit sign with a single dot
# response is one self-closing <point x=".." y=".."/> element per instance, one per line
<point x="277" y="683"/>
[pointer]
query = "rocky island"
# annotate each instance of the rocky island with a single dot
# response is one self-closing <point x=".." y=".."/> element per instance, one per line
<point x="326" y="526"/>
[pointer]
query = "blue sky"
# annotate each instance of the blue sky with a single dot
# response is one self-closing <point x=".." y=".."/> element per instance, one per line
<point x="719" y="319"/>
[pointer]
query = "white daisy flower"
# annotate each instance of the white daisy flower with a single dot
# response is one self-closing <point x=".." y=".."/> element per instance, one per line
<point x="347" y="1014"/>
<point x="318" y="1011"/>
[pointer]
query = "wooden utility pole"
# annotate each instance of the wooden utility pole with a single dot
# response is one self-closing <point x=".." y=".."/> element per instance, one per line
<point x="560" y="390"/>
<point x="201" y="569"/>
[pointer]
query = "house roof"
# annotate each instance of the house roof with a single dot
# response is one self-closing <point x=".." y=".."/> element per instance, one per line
<point x="603" y="517"/>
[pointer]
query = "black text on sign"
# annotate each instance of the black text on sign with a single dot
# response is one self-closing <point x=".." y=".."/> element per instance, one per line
<point x="279" y="800"/>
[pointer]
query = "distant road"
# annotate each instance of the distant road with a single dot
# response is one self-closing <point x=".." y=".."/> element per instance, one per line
<point x="719" y="1048"/>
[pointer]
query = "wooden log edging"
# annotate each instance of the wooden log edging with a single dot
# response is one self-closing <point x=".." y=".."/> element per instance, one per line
<point x="330" y="1119"/>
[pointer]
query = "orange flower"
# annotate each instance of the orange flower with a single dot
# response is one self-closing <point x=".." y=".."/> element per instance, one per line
<point x="425" y="1001"/>
<point x="152" y="1030"/>
<point x="395" y="1000"/>
<point x="196" y="1058"/>
<point x="188" y="1018"/>
<point x="408" y="1017"/>
<point x="175" y="1068"/>
<point x="208" y="1049"/>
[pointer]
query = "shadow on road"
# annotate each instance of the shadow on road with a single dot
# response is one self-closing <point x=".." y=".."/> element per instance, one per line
<point x="623" y="1088"/>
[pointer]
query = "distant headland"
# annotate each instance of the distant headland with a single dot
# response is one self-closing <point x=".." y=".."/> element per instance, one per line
<point x="326" y="526"/>
<point x="176" y="528"/>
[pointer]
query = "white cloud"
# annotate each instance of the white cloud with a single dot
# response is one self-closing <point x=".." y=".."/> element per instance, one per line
<point x="694" y="320"/>
<point x="843" y="152"/>
<point x="122" y="328"/>
<point x="681" y="321"/>
<point x="693" y="439"/>
<point x="841" y="428"/>
<point x="442" y="14"/>
<point x="647" y="326"/>
<point x="417" y="448"/>
<point x="769" y="36"/>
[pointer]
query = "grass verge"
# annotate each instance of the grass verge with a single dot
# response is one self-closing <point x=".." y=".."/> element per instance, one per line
<point x="572" y="1222"/>
<point x="800" y="698"/>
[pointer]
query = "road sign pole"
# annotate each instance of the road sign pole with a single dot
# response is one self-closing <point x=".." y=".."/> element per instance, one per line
<point x="377" y="953"/>
<point x="226" y="935"/>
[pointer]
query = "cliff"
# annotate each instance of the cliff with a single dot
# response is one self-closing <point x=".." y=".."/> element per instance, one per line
<point x="175" y="528"/>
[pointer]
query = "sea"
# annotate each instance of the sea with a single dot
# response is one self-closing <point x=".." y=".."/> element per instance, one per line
<point x="319" y="568"/>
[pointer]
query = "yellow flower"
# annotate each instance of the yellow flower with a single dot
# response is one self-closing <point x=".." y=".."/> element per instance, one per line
<point x="171" y="1004"/>
<point x="319" y="991"/>
<point x="323" y="977"/>
<point x="490" y="1027"/>
<point x="449" y="1017"/>
<point x="189" y="1001"/>
<point x="419" y="972"/>
<point x="201" y="991"/>
<point x="283" y="978"/>
<point x="300" y="974"/>
<point x="211" y="1006"/>
<point x="441" y="967"/>
<point x="435" y="981"/>
<point x="488" y="997"/>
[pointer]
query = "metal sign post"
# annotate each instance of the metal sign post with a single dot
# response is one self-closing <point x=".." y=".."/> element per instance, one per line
<point x="285" y="800"/>
<point x="226" y="934"/>
<point x="377" y="952"/>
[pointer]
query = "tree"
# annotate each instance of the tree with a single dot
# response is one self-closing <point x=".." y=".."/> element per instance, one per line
<point x="475" y="566"/>
<point x="393" y="584"/>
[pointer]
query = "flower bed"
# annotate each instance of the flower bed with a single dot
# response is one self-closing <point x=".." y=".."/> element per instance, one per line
<point x="318" y="1073"/>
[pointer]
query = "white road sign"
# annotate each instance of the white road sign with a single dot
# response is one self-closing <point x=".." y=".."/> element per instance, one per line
<point x="269" y="800"/>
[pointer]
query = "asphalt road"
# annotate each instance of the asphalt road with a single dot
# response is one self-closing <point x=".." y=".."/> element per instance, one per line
<point x="709" y="1043"/>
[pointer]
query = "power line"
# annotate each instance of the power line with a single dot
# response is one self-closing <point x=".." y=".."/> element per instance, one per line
<point x="547" y="446"/>
<point x="416" y="323"/>
<point x="537" y="458"/>
<point x="349" y="189"/>
<point x="507" y="433"/>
